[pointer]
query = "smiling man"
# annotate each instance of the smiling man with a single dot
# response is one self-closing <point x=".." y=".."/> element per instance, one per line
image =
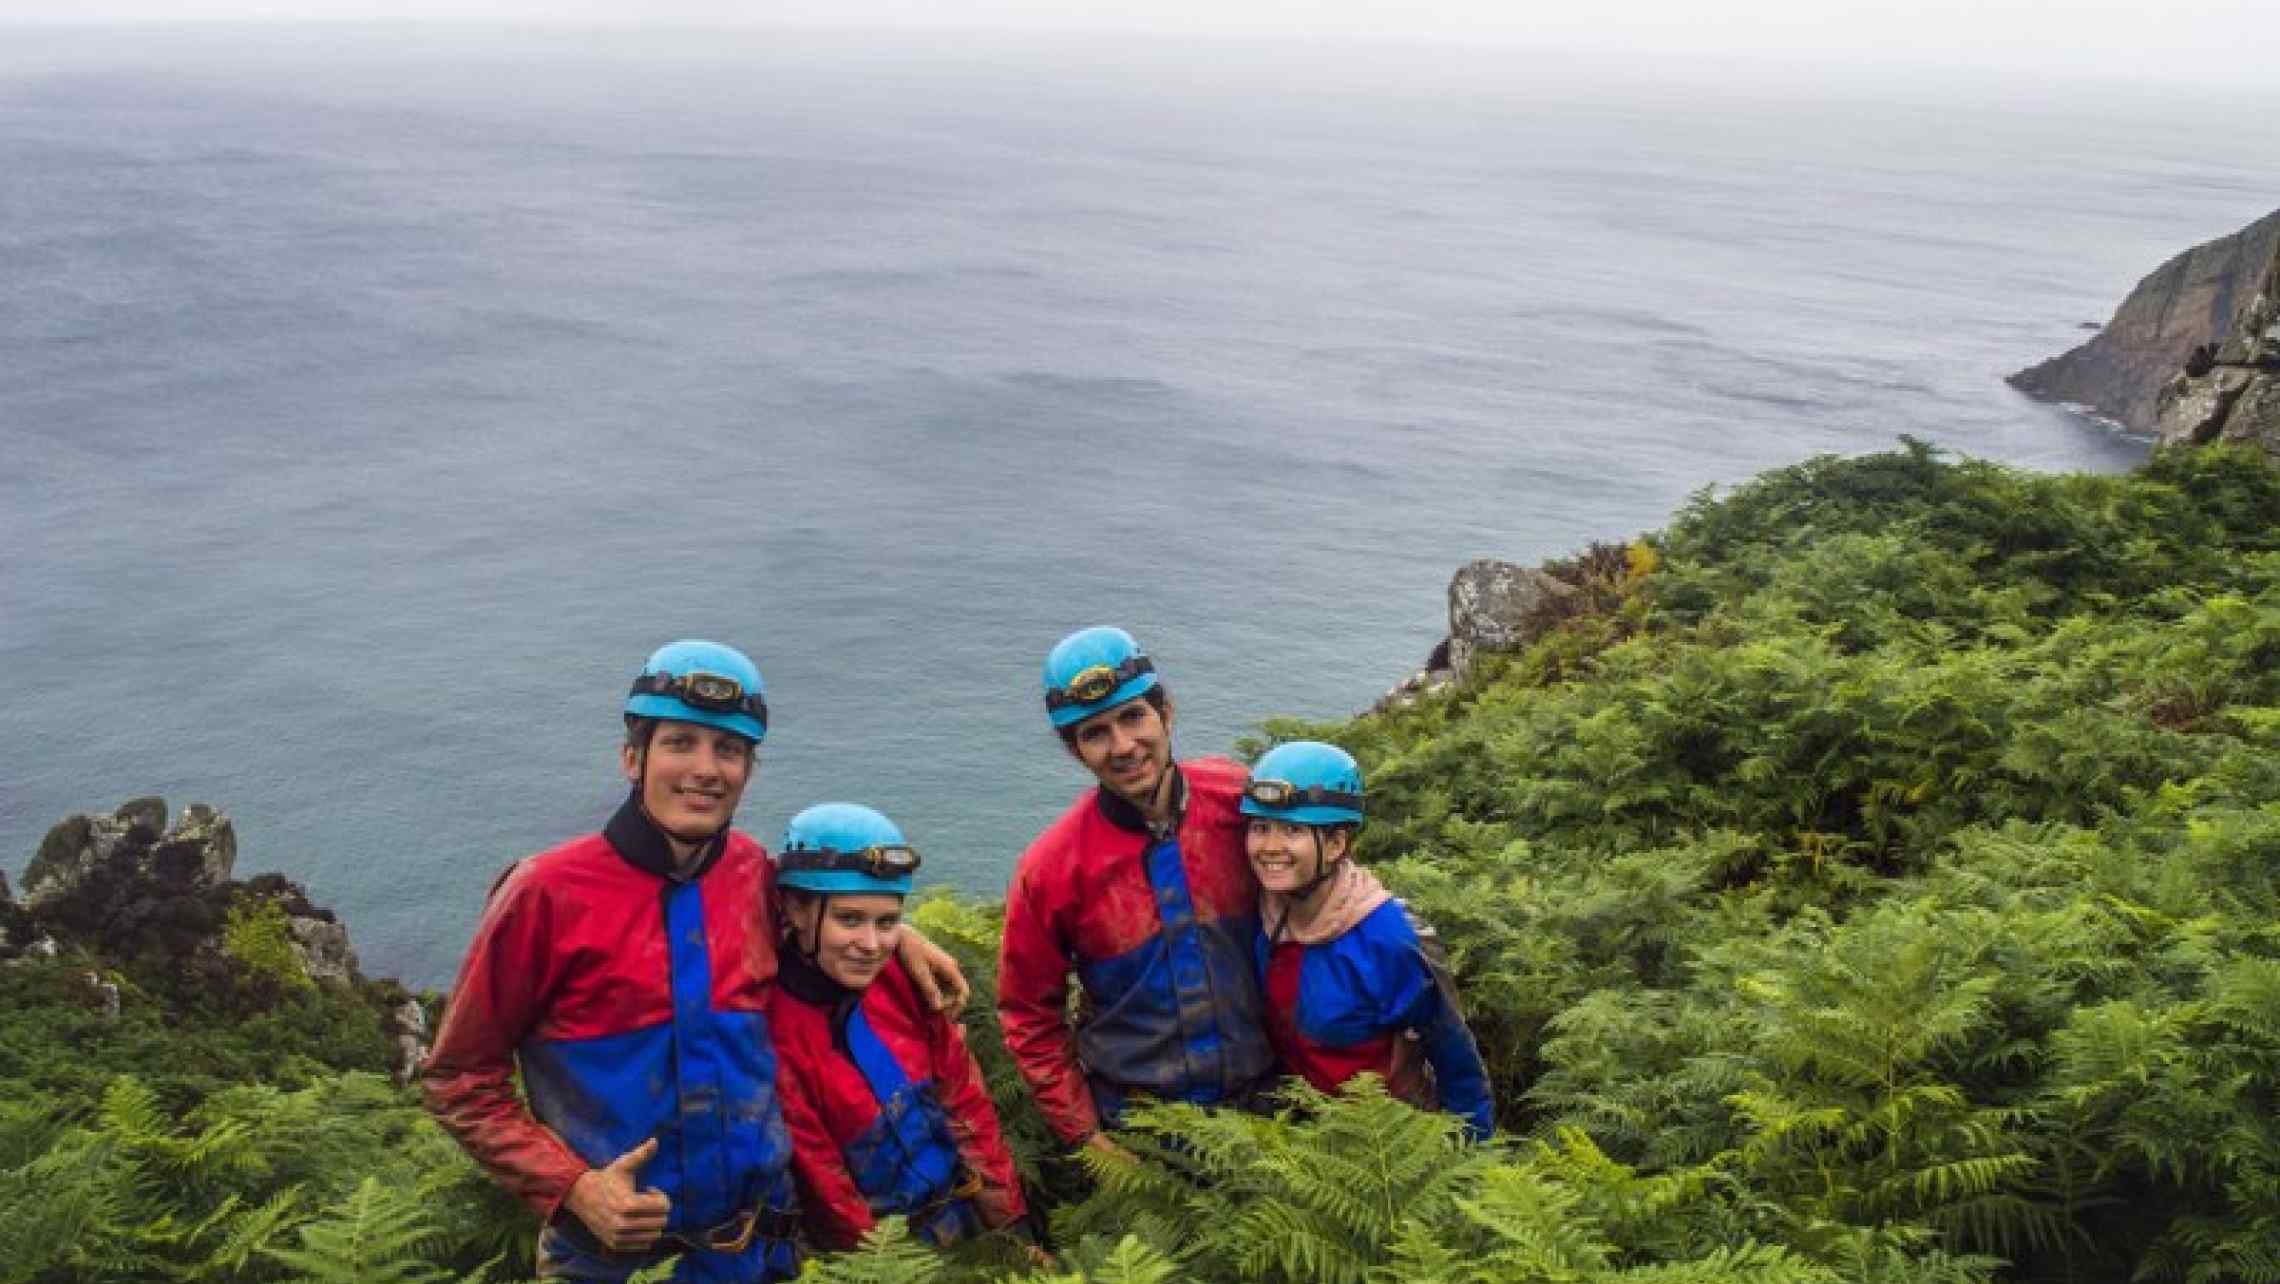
<point x="628" y="975"/>
<point x="1141" y="889"/>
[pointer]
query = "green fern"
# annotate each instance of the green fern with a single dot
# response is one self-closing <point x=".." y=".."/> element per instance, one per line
<point x="377" y="1235"/>
<point x="889" y="1254"/>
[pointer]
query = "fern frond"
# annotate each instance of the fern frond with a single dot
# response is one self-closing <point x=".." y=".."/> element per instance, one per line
<point x="376" y="1235"/>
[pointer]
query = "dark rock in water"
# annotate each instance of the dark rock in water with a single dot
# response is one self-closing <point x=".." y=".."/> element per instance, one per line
<point x="2230" y="392"/>
<point x="2120" y="373"/>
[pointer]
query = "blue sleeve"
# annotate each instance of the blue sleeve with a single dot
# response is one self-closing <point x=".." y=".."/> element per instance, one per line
<point x="1430" y="1009"/>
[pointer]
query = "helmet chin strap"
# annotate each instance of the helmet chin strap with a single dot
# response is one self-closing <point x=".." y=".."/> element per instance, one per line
<point x="1323" y="869"/>
<point x="1305" y="891"/>
<point x="640" y="800"/>
<point x="812" y="949"/>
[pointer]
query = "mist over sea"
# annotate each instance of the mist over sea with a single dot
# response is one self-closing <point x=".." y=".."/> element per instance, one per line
<point x="372" y="402"/>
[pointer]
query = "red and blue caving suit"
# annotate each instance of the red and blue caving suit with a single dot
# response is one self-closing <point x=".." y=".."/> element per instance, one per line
<point x="1159" y="929"/>
<point x="635" y="1004"/>
<point x="1373" y="999"/>
<point x="887" y="1111"/>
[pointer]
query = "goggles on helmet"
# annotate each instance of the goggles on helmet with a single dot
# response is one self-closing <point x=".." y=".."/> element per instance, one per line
<point x="1096" y="683"/>
<point x="714" y="692"/>
<point x="1281" y="795"/>
<point x="886" y="861"/>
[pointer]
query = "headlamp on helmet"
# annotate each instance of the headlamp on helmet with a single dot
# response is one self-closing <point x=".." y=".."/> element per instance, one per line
<point x="1093" y="670"/>
<point x="1095" y="684"/>
<point x="1305" y="782"/>
<point x="884" y="861"/>
<point x="841" y="848"/>
<point x="704" y="682"/>
<point x="1281" y="795"/>
<point x="716" y="692"/>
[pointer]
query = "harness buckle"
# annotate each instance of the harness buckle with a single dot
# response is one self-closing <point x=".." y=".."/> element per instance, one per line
<point x="737" y="1233"/>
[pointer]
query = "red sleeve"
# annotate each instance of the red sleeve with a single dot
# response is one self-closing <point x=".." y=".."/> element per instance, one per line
<point x="834" y="1206"/>
<point x="469" y="1078"/>
<point x="1033" y="986"/>
<point x="974" y="1122"/>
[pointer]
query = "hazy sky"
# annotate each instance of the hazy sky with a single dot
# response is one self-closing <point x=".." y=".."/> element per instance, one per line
<point x="2207" y="42"/>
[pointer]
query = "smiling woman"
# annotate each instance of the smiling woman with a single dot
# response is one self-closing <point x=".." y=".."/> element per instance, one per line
<point x="886" y="1106"/>
<point x="1354" y="982"/>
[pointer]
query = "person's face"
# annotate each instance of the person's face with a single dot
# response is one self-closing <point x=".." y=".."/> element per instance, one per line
<point x="1127" y="748"/>
<point x="1283" y="855"/>
<point x="854" y="935"/>
<point x="691" y="777"/>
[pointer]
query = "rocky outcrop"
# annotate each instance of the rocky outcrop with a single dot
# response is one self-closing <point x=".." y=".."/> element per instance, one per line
<point x="105" y="990"/>
<point x="2229" y="391"/>
<point x="1501" y="606"/>
<point x="86" y="858"/>
<point x="126" y="886"/>
<point x="2185" y="303"/>
<point x="322" y="949"/>
<point x="200" y="851"/>
<point x="1493" y="606"/>
<point x="407" y="1030"/>
<point x="19" y="934"/>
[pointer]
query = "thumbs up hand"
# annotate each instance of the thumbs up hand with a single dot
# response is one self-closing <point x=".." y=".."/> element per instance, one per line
<point x="625" y="1217"/>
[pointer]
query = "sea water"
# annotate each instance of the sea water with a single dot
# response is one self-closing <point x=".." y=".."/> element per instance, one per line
<point x="373" y="401"/>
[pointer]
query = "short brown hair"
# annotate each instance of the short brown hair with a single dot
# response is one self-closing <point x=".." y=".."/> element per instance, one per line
<point x="1155" y="696"/>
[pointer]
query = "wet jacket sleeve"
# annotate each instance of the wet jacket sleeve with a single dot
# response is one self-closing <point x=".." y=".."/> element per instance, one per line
<point x="974" y="1123"/>
<point x="834" y="1206"/>
<point x="1033" y="987"/>
<point x="1422" y="999"/>
<point x="469" y="1079"/>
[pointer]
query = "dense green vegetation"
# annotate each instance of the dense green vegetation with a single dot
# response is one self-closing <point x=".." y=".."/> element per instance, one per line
<point x="1877" y="879"/>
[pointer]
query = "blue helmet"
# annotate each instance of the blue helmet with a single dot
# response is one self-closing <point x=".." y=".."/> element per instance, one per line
<point x="845" y="848"/>
<point x="1308" y="782"/>
<point x="697" y="681"/>
<point x="1093" y="670"/>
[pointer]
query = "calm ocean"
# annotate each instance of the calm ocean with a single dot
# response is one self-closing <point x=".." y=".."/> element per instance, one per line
<point x="371" y="403"/>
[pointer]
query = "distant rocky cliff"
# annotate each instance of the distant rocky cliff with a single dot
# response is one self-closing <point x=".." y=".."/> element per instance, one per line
<point x="2185" y="303"/>
<point x="2230" y="391"/>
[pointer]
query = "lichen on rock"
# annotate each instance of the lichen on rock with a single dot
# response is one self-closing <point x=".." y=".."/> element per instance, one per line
<point x="200" y="851"/>
<point x="321" y="945"/>
<point x="1494" y="606"/>
<point x="128" y="886"/>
